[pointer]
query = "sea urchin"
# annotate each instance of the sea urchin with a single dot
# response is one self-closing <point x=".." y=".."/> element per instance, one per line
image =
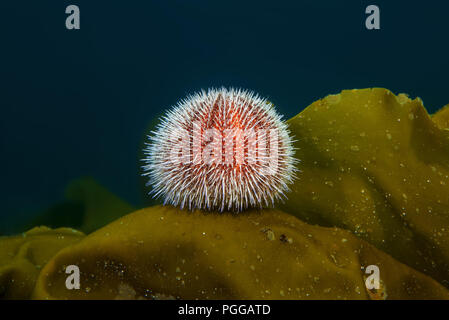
<point x="224" y="149"/>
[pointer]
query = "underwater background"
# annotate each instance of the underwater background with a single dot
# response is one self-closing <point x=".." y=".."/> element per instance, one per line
<point x="79" y="102"/>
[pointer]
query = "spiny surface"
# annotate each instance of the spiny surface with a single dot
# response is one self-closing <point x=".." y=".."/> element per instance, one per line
<point x="223" y="149"/>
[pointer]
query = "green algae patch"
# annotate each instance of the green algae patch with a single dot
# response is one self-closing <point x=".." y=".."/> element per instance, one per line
<point x="23" y="256"/>
<point x="100" y="205"/>
<point x="378" y="165"/>
<point x="167" y="253"/>
<point x="87" y="206"/>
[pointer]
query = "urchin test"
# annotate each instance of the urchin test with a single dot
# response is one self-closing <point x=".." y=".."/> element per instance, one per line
<point x="224" y="149"/>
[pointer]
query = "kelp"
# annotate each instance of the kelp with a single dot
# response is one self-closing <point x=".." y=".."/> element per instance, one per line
<point x="378" y="165"/>
<point x="169" y="253"/>
<point x="22" y="258"/>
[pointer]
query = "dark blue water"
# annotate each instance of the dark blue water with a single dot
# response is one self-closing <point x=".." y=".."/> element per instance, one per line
<point x="77" y="102"/>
